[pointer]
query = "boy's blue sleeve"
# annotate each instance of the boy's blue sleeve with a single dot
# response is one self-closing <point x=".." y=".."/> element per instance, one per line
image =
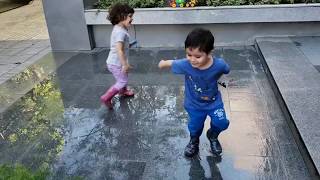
<point x="226" y="68"/>
<point x="178" y="66"/>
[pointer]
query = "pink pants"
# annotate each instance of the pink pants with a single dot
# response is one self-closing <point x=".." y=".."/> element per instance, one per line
<point x="121" y="77"/>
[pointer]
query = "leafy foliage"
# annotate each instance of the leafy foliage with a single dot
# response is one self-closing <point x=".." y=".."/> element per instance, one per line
<point x="19" y="172"/>
<point x="104" y="4"/>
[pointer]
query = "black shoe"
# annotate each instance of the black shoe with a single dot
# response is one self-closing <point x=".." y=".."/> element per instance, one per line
<point x="214" y="143"/>
<point x="192" y="148"/>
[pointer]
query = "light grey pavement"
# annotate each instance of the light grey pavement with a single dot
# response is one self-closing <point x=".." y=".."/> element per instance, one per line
<point x="23" y="38"/>
<point x="291" y="64"/>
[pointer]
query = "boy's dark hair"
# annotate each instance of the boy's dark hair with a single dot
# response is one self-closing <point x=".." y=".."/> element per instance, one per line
<point x="200" y="38"/>
<point x="119" y="12"/>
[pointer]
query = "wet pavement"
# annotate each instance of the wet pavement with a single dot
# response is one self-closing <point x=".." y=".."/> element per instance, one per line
<point x="61" y="124"/>
<point x="24" y="38"/>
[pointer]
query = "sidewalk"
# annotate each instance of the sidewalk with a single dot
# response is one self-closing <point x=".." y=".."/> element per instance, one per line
<point x="23" y="38"/>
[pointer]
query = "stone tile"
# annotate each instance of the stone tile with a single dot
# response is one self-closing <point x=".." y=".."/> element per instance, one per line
<point x="247" y="142"/>
<point x="11" y="52"/>
<point x="32" y="50"/>
<point x="309" y="47"/>
<point x="238" y="59"/>
<point x="14" y="59"/>
<point x="305" y="109"/>
<point x="7" y="44"/>
<point x="6" y="68"/>
<point x="246" y="102"/>
<point x="299" y="92"/>
<point x="242" y="82"/>
<point x="298" y="170"/>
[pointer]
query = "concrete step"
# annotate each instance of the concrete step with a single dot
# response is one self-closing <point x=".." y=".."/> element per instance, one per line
<point x="297" y="84"/>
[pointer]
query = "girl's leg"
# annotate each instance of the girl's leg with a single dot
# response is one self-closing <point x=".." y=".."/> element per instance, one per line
<point x="121" y="84"/>
<point x="121" y="81"/>
<point x="121" y="77"/>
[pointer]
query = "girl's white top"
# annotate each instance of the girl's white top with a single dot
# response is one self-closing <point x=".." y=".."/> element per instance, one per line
<point x="119" y="34"/>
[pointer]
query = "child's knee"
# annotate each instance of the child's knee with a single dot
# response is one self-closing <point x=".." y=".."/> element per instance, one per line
<point x="121" y="85"/>
<point x="223" y="125"/>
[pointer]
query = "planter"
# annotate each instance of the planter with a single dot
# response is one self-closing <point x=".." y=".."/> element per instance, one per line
<point x="232" y="25"/>
<point x="71" y="27"/>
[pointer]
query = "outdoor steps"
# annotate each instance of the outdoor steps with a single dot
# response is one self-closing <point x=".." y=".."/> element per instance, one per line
<point x="296" y="82"/>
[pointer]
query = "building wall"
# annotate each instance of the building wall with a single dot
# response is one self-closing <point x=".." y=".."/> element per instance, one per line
<point x="66" y="25"/>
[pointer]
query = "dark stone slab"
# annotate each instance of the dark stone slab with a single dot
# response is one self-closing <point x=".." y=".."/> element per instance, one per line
<point x="299" y="85"/>
<point x="309" y="47"/>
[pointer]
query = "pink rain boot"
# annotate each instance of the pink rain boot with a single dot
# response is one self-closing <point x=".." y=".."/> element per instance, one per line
<point x="126" y="92"/>
<point x="106" y="98"/>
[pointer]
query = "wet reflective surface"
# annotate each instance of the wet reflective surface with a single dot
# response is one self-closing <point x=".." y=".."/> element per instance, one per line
<point x="62" y="125"/>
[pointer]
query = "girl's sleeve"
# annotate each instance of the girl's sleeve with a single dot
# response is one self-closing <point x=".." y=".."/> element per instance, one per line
<point x="119" y="37"/>
<point x="178" y="66"/>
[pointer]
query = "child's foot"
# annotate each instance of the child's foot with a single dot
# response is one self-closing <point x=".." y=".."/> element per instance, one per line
<point x="126" y="92"/>
<point x="192" y="148"/>
<point x="214" y="144"/>
<point x="108" y="103"/>
<point x="107" y="97"/>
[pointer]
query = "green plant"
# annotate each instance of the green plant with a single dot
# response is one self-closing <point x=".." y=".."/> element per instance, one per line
<point x="105" y="4"/>
<point x="19" y="172"/>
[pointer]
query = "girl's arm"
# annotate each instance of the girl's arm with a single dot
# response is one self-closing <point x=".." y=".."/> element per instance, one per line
<point x="165" y="64"/>
<point x="122" y="56"/>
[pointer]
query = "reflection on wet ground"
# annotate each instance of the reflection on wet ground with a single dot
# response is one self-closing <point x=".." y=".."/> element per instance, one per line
<point x="62" y="125"/>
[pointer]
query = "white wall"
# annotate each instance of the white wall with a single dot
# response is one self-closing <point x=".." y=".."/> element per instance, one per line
<point x="239" y="25"/>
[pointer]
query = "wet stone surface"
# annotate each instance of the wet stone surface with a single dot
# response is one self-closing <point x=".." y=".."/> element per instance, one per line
<point x="61" y="124"/>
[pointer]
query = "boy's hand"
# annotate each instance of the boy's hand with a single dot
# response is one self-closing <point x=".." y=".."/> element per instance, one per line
<point x="165" y="64"/>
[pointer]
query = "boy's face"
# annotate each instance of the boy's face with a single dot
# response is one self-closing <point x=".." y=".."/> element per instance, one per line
<point x="198" y="59"/>
<point x="127" y="22"/>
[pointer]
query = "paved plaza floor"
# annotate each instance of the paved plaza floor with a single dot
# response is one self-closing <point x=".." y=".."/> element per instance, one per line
<point x="60" y="123"/>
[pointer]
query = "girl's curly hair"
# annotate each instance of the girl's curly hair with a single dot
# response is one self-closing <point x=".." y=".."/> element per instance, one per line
<point x="119" y="12"/>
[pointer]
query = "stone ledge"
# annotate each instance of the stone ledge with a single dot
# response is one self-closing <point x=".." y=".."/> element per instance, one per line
<point x="214" y="15"/>
<point x="298" y="85"/>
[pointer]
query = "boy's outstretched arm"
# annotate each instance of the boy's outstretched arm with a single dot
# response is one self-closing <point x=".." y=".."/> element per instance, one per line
<point x="165" y="64"/>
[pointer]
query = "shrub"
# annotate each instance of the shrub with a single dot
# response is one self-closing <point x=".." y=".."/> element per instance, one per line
<point x="19" y="172"/>
<point x="104" y="4"/>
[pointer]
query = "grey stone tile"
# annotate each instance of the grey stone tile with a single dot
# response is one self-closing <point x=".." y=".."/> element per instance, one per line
<point x="300" y="91"/>
<point x="303" y="106"/>
<point x="309" y="47"/>
<point x="248" y="142"/>
<point x="32" y="50"/>
<point x="11" y="52"/>
<point x="6" y="67"/>
<point x="298" y="170"/>
<point x="7" y="44"/>
<point x="242" y="81"/>
<point x="14" y="59"/>
<point x="246" y="102"/>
